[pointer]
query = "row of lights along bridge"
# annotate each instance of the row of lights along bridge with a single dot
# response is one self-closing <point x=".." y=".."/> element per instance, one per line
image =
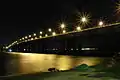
<point x="62" y="26"/>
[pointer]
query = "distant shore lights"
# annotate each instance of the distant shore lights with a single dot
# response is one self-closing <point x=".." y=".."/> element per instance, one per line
<point x="10" y="50"/>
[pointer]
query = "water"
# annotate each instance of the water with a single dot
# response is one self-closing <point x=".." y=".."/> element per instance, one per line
<point x="23" y="63"/>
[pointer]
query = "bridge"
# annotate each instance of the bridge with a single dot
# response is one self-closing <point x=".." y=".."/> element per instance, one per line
<point x="101" y="38"/>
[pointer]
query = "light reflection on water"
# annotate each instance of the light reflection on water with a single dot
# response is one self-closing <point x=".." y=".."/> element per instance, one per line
<point x="30" y="63"/>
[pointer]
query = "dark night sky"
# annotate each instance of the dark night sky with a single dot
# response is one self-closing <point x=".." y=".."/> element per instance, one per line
<point x="48" y="13"/>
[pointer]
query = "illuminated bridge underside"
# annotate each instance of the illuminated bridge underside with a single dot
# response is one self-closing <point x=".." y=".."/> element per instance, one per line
<point x="105" y="40"/>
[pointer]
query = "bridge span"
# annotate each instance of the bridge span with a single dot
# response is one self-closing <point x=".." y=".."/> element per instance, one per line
<point x="96" y="40"/>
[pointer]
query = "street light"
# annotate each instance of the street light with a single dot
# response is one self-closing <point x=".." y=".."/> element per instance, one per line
<point x="28" y="40"/>
<point x="29" y="36"/>
<point x="40" y="36"/>
<point x="36" y="38"/>
<point x="40" y="32"/>
<point x="34" y="34"/>
<point x="83" y="19"/>
<point x="49" y="29"/>
<point x="78" y="28"/>
<point x="32" y="39"/>
<point x="64" y="31"/>
<point x="6" y="47"/>
<point x="53" y="33"/>
<point x="25" y="37"/>
<point x="100" y="23"/>
<point x="62" y="26"/>
<point x="22" y="38"/>
<point x="46" y="35"/>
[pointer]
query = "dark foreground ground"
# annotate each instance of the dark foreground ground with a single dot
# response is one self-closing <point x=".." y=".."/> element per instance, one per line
<point x="66" y="76"/>
<point x="91" y="73"/>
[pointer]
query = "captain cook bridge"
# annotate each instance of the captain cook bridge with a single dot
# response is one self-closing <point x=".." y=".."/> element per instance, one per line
<point x="103" y="38"/>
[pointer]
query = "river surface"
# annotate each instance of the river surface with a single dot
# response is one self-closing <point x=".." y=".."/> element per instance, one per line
<point x="24" y="63"/>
